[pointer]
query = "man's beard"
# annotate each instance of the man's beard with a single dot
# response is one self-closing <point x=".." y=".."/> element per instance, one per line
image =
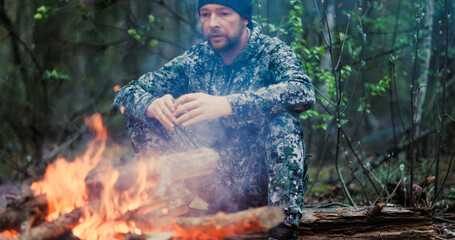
<point x="230" y="42"/>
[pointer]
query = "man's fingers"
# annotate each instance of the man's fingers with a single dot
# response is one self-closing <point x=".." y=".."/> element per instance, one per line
<point x="185" y="98"/>
<point x="164" y="115"/>
<point x="167" y="111"/>
<point x="188" y="106"/>
<point x="169" y="101"/>
<point x="195" y="113"/>
<point x="165" y="121"/>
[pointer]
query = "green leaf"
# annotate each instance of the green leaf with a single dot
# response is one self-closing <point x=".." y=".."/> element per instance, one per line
<point x="452" y="194"/>
<point x="54" y="74"/>
<point x="153" y="43"/>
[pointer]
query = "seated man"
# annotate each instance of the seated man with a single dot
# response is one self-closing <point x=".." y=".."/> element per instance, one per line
<point x="240" y="93"/>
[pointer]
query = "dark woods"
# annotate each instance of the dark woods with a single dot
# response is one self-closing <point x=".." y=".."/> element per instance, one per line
<point x="384" y="120"/>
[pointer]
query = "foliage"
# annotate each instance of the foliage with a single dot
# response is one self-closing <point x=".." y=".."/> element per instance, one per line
<point x="452" y="193"/>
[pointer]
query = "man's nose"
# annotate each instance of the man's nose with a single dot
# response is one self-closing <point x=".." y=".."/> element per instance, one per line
<point x="214" y="21"/>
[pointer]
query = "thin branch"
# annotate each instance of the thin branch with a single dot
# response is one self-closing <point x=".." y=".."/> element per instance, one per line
<point x="365" y="171"/>
<point x="340" y="175"/>
<point x="394" y="190"/>
<point x="450" y="118"/>
<point x="323" y="96"/>
<point x="398" y="102"/>
<point x="344" y="42"/>
<point x="352" y="170"/>
<point x="320" y="22"/>
<point x="443" y="219"/>
<point x="327" y="205"/>
<point x="445" y="179"/>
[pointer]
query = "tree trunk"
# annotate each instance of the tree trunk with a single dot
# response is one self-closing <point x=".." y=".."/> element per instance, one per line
<point x="425" y="69"/>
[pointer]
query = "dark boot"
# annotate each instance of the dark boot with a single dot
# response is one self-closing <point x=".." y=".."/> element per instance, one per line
<point x="284" y="231"/>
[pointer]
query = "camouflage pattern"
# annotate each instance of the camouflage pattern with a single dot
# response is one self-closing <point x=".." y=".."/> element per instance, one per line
<point x="263" y="159"/>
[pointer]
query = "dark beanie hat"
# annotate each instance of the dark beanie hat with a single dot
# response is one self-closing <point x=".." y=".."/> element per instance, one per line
<point x="243" y="7"/>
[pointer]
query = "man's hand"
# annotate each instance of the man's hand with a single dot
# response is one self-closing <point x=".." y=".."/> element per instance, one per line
<point x="196" y="107"/>
<point x="162" y="109"/>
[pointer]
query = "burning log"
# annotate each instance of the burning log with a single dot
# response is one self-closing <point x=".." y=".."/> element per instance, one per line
<point x="217" y="226"/>
<point x="20" y="212"/>
<point x="52" y="230"/>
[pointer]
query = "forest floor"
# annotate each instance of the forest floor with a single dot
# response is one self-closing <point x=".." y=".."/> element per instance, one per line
<point x="324" y="194"/>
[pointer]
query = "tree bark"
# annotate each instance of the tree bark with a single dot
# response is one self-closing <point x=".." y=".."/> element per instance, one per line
<point x="367" y="223"/>
<point x="361" y="224"/>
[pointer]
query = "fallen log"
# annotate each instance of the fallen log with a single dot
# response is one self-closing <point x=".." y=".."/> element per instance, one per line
<point x="363" y="223"/>
<point x="366" y="223"/>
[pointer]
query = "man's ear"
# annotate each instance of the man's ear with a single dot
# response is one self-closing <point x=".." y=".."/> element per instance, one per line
<point x="245" y="21"/>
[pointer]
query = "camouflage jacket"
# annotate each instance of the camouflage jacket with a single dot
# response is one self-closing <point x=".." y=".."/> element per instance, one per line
<point x="266" y="78"/>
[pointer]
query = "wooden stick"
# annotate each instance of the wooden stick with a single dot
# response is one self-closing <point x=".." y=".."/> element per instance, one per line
<point x="167" y="169"/>
<point x="21" y="211"/>
<point x="51" y="230"/>
<point x="217" y="226"/>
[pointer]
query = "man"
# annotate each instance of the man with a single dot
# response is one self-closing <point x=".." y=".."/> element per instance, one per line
<point x="240" y="92"/>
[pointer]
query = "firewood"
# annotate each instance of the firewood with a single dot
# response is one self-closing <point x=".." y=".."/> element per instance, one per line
<point x="28" y="209"/>
<point x="191" y="164"/>
<point x="166" y="169"/>
<point x="25" y="213"/>
<point x="217" y="226"/>
<point x="52" y="230"/>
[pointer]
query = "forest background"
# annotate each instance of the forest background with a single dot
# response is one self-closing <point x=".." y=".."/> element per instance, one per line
<point x="383" y="70"/>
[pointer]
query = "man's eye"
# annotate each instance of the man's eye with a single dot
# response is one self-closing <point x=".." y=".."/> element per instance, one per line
<point x="204" y="15"/>
<point x="225" y="14"/>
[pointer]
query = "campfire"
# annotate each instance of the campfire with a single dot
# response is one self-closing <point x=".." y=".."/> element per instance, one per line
<point x="92" y="199"/>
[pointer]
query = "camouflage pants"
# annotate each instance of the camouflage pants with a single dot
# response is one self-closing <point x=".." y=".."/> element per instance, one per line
<point x="262" y="162"/>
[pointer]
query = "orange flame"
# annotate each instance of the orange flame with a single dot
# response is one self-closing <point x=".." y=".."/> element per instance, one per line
<point x="64" y="177"/>
<point x="106" y="214"/>
<point x="116" y="88"/>
<point x="10" y="234"/>
<point x="64" y="185"/>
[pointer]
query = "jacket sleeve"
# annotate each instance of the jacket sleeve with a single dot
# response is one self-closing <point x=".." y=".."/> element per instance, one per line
<point x="291" y="91"/>
<point x="135" y="97"/>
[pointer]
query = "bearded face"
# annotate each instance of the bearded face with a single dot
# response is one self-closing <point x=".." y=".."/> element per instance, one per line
<point x="223" y="27"/>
